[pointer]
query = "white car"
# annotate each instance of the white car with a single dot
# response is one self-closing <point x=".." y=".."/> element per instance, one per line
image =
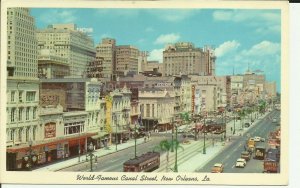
<point x="274" y="120"/>
<point x="240" y="162"/>
<point x="257" y="139"/>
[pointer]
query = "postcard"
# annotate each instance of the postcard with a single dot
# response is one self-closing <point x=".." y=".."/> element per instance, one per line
<point x="144" y="92"/>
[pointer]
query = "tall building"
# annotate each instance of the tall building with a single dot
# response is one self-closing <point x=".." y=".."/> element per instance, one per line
<point x="185" y="58"/>
<point x="142" y="61"/>
<point x="21" y="44"/>
<point x="22" y="83"/>
<point x="126" y="60"/>
<point x="64" y="40"/>
<point x="106" y="50"/>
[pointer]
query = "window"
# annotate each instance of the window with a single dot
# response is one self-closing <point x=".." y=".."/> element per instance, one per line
<point x="12" y="96"/>
<point x="20" y="114"/>
<point x="34" y="113"/>
<point x="12" y="114"/>
<point x="27" y="113"/>
<point x="20" y="96"/>
<point x="30" y="96"/>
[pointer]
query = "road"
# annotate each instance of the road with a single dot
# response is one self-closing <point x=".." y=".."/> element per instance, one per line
<point x="114" y="161"/>
<point x="229" y="156"/>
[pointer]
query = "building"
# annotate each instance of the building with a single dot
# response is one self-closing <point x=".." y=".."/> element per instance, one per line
<point x="126" y="60"/>
<point x="52" y="66"/>
<point x="142" y="61"/>
<point x="22" y="92"/>
<point x="106" y="50"/>
<point x="185" y="58"/>
<point x="64" y="40"/>
<point x="157" y="105"/>
<point x="95" y="68"/>
<point x="270" y="88"/>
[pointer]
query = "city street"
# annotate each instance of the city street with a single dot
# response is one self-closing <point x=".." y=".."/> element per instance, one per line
<point x="229" y="156"/>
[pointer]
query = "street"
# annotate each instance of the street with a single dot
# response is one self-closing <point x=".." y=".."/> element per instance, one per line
<point x="229" y="156"/>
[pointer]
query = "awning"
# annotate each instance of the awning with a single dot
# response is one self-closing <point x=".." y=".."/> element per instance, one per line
<point x="99" y="135"/>
<point x="39" y="144"/>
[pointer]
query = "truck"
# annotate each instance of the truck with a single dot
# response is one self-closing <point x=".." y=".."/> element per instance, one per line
<point x="251" y="145"/>
<point x="271" y="162"/>
<point x="259" y="153"/>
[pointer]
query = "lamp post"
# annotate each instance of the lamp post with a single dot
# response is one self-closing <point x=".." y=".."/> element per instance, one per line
<point x="172" y="141"/>
<point x="79" y="146"/>
<point x="176" y="147"/>
<point x="116" y="133"/>
<point x="29" y="159"/>
<point x="204" y="130"/>
<point x="91" y="149"/>
<point x="135" y="135"/>
<point x="233" y="122"/>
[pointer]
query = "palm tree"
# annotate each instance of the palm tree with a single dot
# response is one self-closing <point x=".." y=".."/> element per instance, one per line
<point x="166" y="145"/>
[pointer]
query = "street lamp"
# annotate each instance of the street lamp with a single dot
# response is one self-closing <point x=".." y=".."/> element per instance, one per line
<point x="135" y="135"/>
<point x="116" y="134"/>
<point x="204" y="130"/>
<point x="172" y="145"/>
<point x="91" y="149"/>
<point x="29" y="159"/>
<point x="176" y="147"/>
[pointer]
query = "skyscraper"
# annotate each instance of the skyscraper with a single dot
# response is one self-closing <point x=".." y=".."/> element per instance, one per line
<point x="65" y="41"/>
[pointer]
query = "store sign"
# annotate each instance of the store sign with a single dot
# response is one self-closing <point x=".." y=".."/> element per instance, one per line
<point x="50" y="130"/>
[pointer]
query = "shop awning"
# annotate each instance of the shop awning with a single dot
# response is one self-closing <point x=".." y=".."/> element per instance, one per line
<point x="38" y="144"/>
<point x="99" y="135"/>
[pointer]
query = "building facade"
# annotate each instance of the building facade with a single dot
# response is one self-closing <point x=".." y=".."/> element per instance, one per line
<point x="106" y="50"/>
<point x="64" y="40"/>
<point x="185" y="58"/>
<point x="126" y="60"/>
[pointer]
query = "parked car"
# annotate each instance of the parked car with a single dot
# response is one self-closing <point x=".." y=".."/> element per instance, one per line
<point x="274" y="120"/>
<point x="257" y="139"/>
<point x="240" y="162"/>
<point x="246" y="155"/>
<point x="262" y="139"/>
<point x="217" y="168"/>
<point x="247" y="124"/>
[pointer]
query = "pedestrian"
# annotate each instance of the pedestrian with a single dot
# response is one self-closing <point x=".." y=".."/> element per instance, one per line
<point x="245" y="148"/>
<point x="145" y="139"/>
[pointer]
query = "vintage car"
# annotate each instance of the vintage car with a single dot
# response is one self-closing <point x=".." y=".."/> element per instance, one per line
<point x="217" y="168"/>
<point x="240" y="162"/>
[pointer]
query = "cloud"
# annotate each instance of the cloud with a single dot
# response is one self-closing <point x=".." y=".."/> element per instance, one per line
<point x="156" y="55"/>
<point x="262" y="49"/>
<point x="226" y="47"/>
<point x="167" y="38"/>
<point x="58" y="16"/>
<point x="264" y="56"/>
<point x="266" y="21"/>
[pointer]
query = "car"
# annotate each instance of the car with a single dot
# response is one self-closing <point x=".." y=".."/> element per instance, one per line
<point x="217" y="168"/>
<point x="181" y="130"/>
<point x="247" y="124"/>
<point x="246" y="155"/>
<point x="274" y="120"/>
<point x="257" y="139"/>
<point x="262" y="139"/>
<point x="240" y="162"/>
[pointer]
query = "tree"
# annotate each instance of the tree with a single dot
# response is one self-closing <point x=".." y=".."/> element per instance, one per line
<point x="166" y="145"/>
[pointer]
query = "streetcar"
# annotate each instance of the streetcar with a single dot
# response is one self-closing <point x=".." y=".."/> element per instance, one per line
<point x="147" y="162"/>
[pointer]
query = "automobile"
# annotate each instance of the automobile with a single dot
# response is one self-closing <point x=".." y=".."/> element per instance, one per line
<point x="181" y="130"/>
<point x="246" y="155"/>
<point x="240" y="162"/>
<point x="247" y="124"/>
<point x="262" y="139"/>
<point x="257" y="139"/>
<point x="217" y="168"/>
<point x="274" y="120"/>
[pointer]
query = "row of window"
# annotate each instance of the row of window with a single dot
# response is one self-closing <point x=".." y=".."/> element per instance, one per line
<point x="27" y="113"/>
<point x="30" y="96"/>
<point x="19" y="134"/>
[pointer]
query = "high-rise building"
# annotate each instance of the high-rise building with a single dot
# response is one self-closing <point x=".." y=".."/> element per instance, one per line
<point x="185" y="58"/>
<point x="64" y="40"/>
<point x="22" y="79"/>
<point x="106" y="50"/>
<point x="126" y="60"/>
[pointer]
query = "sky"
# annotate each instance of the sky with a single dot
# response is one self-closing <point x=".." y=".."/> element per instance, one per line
<point x="241" y="37"/>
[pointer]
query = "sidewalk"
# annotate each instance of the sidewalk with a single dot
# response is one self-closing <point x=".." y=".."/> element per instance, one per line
<point x="98" y="153"/>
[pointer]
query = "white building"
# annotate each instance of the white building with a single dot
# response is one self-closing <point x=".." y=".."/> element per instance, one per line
<point x="22" y="81"/>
